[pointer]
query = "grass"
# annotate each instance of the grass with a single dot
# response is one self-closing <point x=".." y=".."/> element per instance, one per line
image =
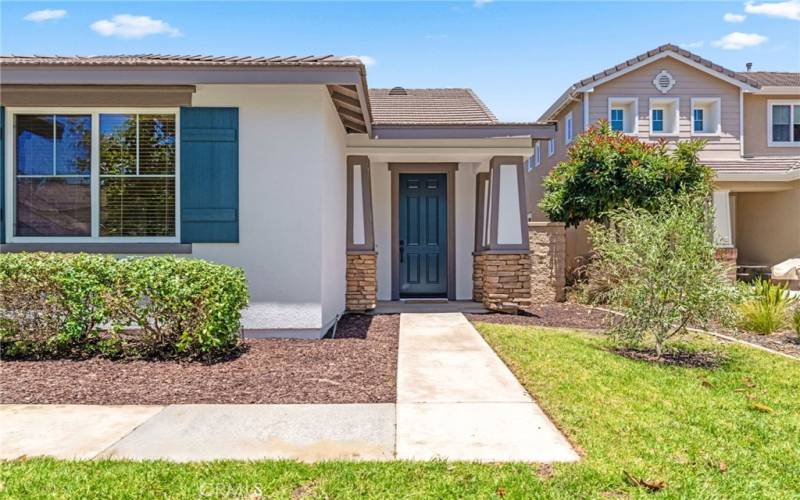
<point x="696" y="430"/>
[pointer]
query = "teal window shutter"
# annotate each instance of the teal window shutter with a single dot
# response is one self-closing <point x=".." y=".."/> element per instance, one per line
<point x="209" y="175"/>
<point x="2" y="174"/>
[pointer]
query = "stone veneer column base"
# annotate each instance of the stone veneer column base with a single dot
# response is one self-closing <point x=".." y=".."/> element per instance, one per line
<point x="362" y="286"/>
<point x="501" y="280"/>
<point x="548" y="243"/>
<point x="727" y="257"/>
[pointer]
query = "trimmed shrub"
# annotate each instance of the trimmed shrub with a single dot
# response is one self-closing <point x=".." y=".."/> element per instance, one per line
<point x="767" y="310"/>
<point x="61" y="305"/>
<point x="51" y="304"/>
<point x="182" y="307"/>
<point x="606" y="170"/>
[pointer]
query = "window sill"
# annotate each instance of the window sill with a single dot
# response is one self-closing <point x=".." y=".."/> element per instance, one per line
<point x="705" y="134"/>
<point x="665" y="134"/>
<point x="107" y="248"/>
<point x="787" y="144"/>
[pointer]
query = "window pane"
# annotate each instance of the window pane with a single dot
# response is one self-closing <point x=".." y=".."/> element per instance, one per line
<point x="796" y="123"/>
<point x="53" y="206"/>
<point x="117" y="144"/>
<point x="156" y="144"/>
<point x="73" y="145"/>
<point x="137" y="206"/>
<point x="34" y="144"/>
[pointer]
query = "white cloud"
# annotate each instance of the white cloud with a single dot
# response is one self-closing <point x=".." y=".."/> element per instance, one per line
<point x="367" y="60"/>
<point x="730" y="17"/>
<point x="481" y="3"/>
<point x="45" y="15"/>
<point x="738" y="41"/>
<point x="128" y="26"/>
<point x="693" y="45"/>
<point x="790" y="9"/>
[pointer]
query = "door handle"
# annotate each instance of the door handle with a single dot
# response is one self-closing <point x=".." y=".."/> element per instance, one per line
<point x="402" y="250"/>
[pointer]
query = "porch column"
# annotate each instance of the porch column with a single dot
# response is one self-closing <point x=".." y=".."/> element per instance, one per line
<point x="501" y="273"/>
<point x="362" y="288"/>
<point x="726" y="251"/>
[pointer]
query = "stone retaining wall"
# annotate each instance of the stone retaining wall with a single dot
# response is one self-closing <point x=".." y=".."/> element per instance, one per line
<point x="362" y="287"/>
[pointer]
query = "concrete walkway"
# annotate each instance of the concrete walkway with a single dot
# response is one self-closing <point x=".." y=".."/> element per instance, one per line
<point x="457" y="400"/>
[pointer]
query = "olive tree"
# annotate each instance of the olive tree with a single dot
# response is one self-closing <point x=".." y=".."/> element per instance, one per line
<point x="663" y="268"/>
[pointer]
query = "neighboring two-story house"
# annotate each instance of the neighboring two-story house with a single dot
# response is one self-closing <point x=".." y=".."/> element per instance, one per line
<point x="750" y="120"/>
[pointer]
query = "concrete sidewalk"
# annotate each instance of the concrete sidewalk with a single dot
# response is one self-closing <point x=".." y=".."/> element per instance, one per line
<point x="199" y="432"/>
<point x="457" y="400"/>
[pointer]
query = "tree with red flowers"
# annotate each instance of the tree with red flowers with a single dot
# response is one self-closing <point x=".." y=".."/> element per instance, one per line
<point x="606" y="170"/>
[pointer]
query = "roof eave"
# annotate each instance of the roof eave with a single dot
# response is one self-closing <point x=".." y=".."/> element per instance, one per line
<point x="539" y="131"/>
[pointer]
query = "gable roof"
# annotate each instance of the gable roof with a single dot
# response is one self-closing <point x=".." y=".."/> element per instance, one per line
<point x="774" y="78"/>
<point x="178" y="60"/>
<point x="744" y="80"/>
<point x="400" y="106"/>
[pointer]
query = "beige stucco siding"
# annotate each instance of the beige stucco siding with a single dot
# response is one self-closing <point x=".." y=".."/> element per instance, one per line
<point x="755" y="126"/>
<point x="689" y="83"/>
<point x="768" y="226"/>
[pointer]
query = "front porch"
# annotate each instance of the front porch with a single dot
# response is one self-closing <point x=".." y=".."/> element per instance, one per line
<point x="438" y="219"/>
<point x="756" y="225"/>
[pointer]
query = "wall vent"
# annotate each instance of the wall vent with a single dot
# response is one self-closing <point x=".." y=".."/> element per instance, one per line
<point x="398" y="91"/>
<point x="664" y="81"/>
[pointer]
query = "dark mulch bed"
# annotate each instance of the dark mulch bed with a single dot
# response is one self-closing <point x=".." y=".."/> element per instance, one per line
<point x="358" y="366"/>
<point x="560" y="315"/>
<point x="686" y="359"/>
<point x="785" y="341"/>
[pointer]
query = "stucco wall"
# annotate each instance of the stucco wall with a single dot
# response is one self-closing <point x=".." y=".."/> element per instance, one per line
<point x="291" y="201"/>
<point x="768" y="226"/>
<point x="465" y="226"/>
<point x="689" y="83"/>
<point x="755" y="126"/>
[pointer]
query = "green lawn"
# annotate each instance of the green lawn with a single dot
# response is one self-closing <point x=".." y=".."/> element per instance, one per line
<point x="693" y="429"/>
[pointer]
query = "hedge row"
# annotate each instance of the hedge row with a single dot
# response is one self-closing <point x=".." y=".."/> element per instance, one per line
<point x="79" y="305"/>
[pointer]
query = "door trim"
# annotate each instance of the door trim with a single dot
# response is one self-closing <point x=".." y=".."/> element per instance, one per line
<point x="449" y="169"/>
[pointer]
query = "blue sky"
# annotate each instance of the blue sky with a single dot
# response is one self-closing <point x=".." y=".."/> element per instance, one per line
<point x="518" y="56"/>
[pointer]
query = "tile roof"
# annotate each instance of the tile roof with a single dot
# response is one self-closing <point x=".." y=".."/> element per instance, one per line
<point x="774" y="78"/>
<point x="180" y="60"/>
<point x="399" y="106"/>
<point x="764" y="164"/>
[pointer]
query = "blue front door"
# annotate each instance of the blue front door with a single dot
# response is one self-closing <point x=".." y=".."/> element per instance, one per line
<point x="423" y="235"/>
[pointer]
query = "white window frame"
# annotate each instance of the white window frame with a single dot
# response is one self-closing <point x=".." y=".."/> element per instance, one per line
<point x="537" y="154"/>
<point x="95" y="112"/>
<point x="663" y="103"/>
<point x="620" y="103"/>
<point x="782" y="102"/>
<point x="717" y="116"/>
<point x="551" y="147"/>
<point x="569" y="128"/>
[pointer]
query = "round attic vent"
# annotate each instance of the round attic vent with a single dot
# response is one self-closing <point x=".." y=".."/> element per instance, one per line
<point x="398" y="91"/>
<point x="664" y="81"/>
